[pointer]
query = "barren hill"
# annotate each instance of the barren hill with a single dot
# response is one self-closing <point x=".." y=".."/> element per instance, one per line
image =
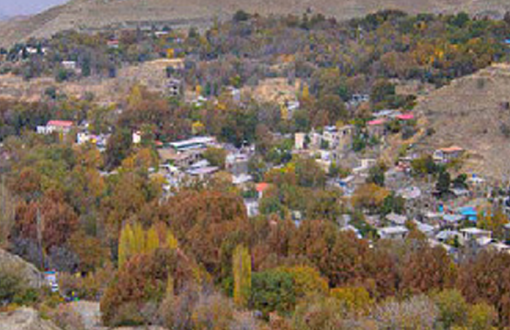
<point x="86" y="14"/>
<point x="474" y="113"/>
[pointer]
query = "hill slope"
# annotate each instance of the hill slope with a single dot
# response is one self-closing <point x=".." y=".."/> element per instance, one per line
<point x="83" y="14"/>
<point x="474" y="113"/>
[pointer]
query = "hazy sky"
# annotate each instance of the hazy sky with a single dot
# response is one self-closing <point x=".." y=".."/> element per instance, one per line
<point x="25" y="7"/>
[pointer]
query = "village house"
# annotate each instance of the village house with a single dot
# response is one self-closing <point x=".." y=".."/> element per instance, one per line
<point x="261" y="188"/>
<point x="69" y="65"/>
<point x="58" y="126"/>
<point x="405" y="117"/>
<point x="397" y="232"/>
<point x="178" y="159"/>
<point x="202" y="173"/>
<point x="136" y="137"/>
<point x="237" y="163"/>
<point x="396" y="219"/>
<point x="451" y="220"/>
<point x="480" y="236"/>
<point x="299" y="141"/>
<point x="252" y="207"/>
<point x="196" y="143"/>
<point x="113" y="44"/>
<point x="446" y="155"/>
<point x="376" y="127"/>
<point x="386" y="113"/>
<point x="446" y="236"/>
<point x="424" y="228"/>
<point x="173" y="87"/>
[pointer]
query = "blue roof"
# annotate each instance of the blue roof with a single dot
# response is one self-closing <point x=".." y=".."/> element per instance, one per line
<point x="468" y="211"/>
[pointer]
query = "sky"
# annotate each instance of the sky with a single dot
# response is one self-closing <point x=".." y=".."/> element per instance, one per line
<point x="26" y="7"/>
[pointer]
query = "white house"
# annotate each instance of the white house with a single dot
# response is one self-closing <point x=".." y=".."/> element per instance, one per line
<point x="137" y="137"/>
<point x="475" y="234"/>
<point x="60" y="126"/>
<point x="397" y="232"/>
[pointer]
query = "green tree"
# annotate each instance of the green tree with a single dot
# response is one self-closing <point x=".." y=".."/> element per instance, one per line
<point x="376" y="174"/>
<point x="443" y="183"/>
<point x="272" y="290"/>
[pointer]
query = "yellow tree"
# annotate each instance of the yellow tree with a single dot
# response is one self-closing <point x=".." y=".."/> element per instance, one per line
<point x="126" y="237"/>
<point x="354" y="299"/>
<point x="241" y="266"/>
<point x="151" y="240"/>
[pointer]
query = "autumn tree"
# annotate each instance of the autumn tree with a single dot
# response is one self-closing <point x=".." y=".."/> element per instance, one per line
<point x="242" y="275"/>
<point x="485" y="279"/>
<point x="142" y="279"/>
<point x="353" y="299"/>
<point x="426" y="268"/>
<point x="216" y="156"/>
<point x="203" y="220"/>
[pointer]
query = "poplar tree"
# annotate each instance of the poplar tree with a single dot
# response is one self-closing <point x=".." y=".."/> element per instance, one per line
<point x="242" y="275"/>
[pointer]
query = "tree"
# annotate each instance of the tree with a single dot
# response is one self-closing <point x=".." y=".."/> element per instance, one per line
<point x="309" y="173"/>
<point x="376" y="174"/>
<point x="333" y="108"/>
<point x="241" y="265"/>
<point x="354" y="299"/>
<point x="416" y="313"/>
<point x="485" y="279"/>
<point x="216" y="156"/>
<point x="272" y="290"/>
<point x="142" y="279"/>
<point x="370" y="196"/>
<point x="460" y="181"/>
<point x="443" y="183"/>
<point x="382" y="91"/>
<point x="494" y="222"/>
<point x="135" y="240"/>
<point x="307" y="281"/>
<point x="202" y="221"/>
<point x="453" y="308"/>
<point x="241" y="16"/>
<point x="426" y="268"/>
<point x="481" y="317"/>
<point x="118" y="147"/>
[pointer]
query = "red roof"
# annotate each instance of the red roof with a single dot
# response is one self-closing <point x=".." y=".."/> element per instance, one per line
<point x="260" y="187"/>
<point x="405" y="116"/>
<point x="60" y="123"/>
<point x="376" y="122"/>
<point x="451" y="149"/>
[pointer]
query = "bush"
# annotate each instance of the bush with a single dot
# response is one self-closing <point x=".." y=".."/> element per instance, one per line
<point x="66" y="318"/>
<point x="13" y="288"/>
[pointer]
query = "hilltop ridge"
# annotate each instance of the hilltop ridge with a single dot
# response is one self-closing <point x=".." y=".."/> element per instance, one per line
<point x="92" y="14"/>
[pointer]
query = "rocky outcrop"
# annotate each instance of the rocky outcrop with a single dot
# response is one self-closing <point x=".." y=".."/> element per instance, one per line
<point x="31" y="275"/>
<point x="24" y="319"/>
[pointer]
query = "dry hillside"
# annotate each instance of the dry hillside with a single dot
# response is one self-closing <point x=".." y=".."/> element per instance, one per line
<point x="474" y="113"/>
<point x="86" y="14"/>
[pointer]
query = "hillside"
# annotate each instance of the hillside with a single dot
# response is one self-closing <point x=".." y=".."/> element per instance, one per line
<point x="86" y="14"/>
<point x="473" y="112"/>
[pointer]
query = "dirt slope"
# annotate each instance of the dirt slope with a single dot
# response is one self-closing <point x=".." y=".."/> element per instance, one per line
<point x="24" y="319"/>
<point x="85" y="14"/>
<point x="474" y="113"/>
